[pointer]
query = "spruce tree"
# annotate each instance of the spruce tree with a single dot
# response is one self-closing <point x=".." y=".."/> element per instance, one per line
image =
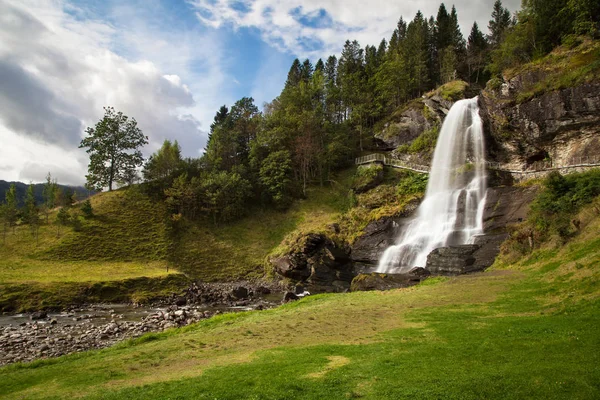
<point x="476" y="52"/>
<point x="9" y="209"/>
<point x="319" y="66"/>
<point x="49" y="193"/>
<point x="498" y="24"/>
<point x="294" y="75"/>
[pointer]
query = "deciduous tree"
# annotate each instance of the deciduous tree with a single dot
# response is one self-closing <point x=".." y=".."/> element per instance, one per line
<point x="114" y="149"/>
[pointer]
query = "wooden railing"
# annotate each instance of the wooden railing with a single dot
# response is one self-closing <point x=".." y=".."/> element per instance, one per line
<point x="538" y="166"/>
<point x="392" y="162"/>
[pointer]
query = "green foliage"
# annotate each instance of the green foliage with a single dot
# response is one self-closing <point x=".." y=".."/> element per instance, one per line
<point x="49" y="192"/>
<point x="30" y="210"/>
<point x="276" y="177"/>
<point x="113" y="145"/>
<point x="163" y="164"/>
<point x="367" y="176"/>
<point x="499" y="23"/>
<point x="561" y="199"/>
<point x="224" y="195"/>
<point x="413" y="184"/>
<point x="9" y="210"/>
<point x="87" y="209"/>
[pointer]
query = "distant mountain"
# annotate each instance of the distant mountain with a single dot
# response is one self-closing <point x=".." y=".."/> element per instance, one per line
<point x="38" y="188"/>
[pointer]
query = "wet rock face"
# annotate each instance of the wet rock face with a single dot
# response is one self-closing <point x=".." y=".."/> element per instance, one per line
<point x="421" y="115"/>
<point x="452" y="260"/>
<point x="320" y="264"/>
<point x="378" y="236"/>
<point x="562" y="124"/>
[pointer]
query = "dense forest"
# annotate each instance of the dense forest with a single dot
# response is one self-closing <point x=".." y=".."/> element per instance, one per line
<point x="327" y="111"/>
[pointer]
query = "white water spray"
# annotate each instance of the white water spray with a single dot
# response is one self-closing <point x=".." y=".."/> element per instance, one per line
<point x="452" y="211"/>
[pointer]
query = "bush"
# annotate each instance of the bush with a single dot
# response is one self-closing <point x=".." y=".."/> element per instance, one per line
<point x="367" y="177"/>
<point x="86" y="209"/>
<point x="413" y="184"/>
<point x="553" y="213"/>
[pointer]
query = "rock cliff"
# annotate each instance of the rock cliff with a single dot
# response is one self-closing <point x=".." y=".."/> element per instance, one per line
<point x="560" y="126"/>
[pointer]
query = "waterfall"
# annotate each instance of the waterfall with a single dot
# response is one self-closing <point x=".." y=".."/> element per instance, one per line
<point x="452" y="211"/>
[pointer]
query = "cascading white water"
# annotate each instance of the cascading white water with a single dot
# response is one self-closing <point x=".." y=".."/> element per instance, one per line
<point x="452" y="211"/>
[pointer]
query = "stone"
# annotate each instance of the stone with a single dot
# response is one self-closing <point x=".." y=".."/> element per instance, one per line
<point x="419" y="271"/>
<point x="181" y="301"/>
<point x="38" y="315"/>
<point x="452" y="260"/>
<point x="377" y="281"/>
<point x="289" y="296"/>
<point x="315" y="262"/>
<point x="240" y="292"/>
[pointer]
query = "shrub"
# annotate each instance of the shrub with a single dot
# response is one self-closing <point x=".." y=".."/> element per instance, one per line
<point x="367" y="177"/>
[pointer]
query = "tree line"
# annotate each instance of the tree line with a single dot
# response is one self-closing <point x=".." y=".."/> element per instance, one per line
<point x="326" y="112"/>
<point x="34" y="213"/>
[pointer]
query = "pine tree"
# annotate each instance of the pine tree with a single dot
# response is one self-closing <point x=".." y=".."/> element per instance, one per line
<point x="9" y="209"/>
<point x="30" y="205"/>
<point x="498" y="24"/>
<point x="62" y="218"/>
<point x="417" y="56"/>
<point x="306" y="70"/>
<point x="381" y="51"/>
<point x="49" y="193"/>
<point x="294" y="75"/>
<point x="113" y="145"/>
<point x="319" y="66"/>
<point x="31" y="212"/>
<point x="476" y="52"/>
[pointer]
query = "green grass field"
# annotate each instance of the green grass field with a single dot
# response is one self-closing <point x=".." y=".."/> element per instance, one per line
<point x="525" y="330"/>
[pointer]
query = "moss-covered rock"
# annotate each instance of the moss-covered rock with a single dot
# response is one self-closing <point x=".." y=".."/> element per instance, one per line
<point x="367" y="177"/>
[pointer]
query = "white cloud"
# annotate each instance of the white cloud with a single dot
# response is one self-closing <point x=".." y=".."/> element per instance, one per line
<point x="291" y="25"/>
<point x="59" y="65"/>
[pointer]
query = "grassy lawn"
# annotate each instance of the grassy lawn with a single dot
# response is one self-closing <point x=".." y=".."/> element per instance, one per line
<point x="18" y="270"/>
<point x="526" y="330"/>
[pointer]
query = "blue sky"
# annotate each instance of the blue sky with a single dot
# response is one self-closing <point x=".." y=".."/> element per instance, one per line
<point x="169" y="63"/>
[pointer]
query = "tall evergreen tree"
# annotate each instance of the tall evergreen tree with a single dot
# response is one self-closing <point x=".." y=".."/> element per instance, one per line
<point x="417" y="55"/>
<point x="319" y="66"/>
<point x="295" y="74"/>
<point x="498" y="24"/>
<point x="9" y="208"/>
<point x="49" y="193"/>
<point x="381" y="51"/>
<point x="306" y="70"/>
<point x="476" y="53"/>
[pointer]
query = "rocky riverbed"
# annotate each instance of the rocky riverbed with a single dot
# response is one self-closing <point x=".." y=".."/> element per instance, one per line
<point x="27" y="337"/>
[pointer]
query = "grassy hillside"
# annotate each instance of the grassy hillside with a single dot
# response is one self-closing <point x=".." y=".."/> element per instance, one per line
<point x="129" y="239"/>
<point x="238" y="249"/>
<point x="525" y="330"/>
<point x="124" y="242"/>
<point x="566" y="66"/>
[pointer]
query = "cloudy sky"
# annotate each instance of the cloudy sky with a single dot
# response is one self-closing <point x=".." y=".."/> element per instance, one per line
<point x="169" y="64"/>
